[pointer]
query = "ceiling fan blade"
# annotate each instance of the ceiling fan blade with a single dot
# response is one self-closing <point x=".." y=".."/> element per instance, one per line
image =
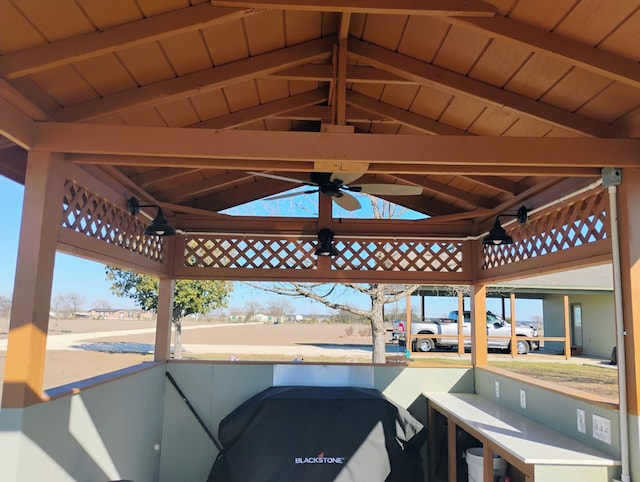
<point x="346" y="177"/>
<point x="281" y="178"/>
<point x="288" y="195"/>
<point x="347" y="202"/>
<point x="390" y="189"/>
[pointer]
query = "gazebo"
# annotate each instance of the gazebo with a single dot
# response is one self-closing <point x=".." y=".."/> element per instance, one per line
<point x="503" y="113"/>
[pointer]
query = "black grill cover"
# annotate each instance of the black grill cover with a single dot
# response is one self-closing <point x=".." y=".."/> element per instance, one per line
<point x="319" y="434"/>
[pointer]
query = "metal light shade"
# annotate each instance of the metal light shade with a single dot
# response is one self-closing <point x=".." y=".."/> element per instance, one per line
<point x="326" y="248"/>
<point x="159" y="226"/>
<point x="497" y="235"/>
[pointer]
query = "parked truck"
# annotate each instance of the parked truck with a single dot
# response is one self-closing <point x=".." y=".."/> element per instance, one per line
<point x="448" y="327"/>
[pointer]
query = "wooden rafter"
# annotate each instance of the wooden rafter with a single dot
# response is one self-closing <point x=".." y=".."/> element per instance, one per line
<point x="448" y="81"/>
<point x="402" y="7"/>
<point x="198" y="83"/>
<point x="269" y="109"/>
<point x="565" y="49"/>
<point x="82" y="47"/>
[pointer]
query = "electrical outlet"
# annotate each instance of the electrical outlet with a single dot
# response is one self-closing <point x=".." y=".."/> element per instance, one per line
<point x="581" y="420"/>
<point x="497" y="389"/>
<point x="523" y="399"/>
<point x="602" y="429"/>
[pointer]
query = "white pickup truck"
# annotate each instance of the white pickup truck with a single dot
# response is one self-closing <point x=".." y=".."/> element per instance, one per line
<point x="496" y="326"/>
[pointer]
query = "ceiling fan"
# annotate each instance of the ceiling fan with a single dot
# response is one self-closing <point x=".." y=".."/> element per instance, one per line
<point x="338" y="185"/>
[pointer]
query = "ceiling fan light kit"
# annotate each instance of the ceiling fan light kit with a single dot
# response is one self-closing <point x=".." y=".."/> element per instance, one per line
<point x="338" y="186"/>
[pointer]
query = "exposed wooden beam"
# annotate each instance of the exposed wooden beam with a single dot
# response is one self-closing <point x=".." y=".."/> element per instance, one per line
<point x="202" y="187"/>
<point x="361" y="74"/>
<point x="13" y="163"/>
<point x="161" y="174"/>
<point x="307" y="166"/>
<point x="198" y="83"/>
<point x="499" y="184"/>
<point x="320" y="146"/>
<point x="229" y="198"/>
<point x="403" y="116"/>
<point x="458" y="84"/>
<point x="152" y="29"/>
<point x="14" y="125"/>
<point x="594" y="60"/>
<point x="460" y="195"/>
<point x="400" y="7"/>
<point x="268" y="109"/>
<point x="323" y="113"/>
<point x="454" y="226"/>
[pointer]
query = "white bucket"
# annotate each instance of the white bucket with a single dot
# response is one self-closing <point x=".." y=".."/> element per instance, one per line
<point x="475" y="465"/>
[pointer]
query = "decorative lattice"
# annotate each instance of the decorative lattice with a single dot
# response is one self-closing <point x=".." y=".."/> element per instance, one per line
<point x="248" y="253"/>
<point x="399" y="255"/>
<point x="86" y="213"/>
<point x="572" y="225"/>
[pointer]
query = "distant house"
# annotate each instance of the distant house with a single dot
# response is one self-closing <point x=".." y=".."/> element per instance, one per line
<point x="118" y="314"/>
<point x="590" y="296"/>
<point x="591" y="307"/>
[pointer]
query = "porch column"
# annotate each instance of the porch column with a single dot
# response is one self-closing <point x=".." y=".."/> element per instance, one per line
<point x="479" y="351"/>
<point x="164" y="319"/>
<point x="42" y="210"/>
<point x="629" y="230"/>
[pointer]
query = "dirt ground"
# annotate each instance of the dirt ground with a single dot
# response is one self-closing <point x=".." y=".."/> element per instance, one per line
<point x="69" y="365"/>
<point x="70" y="362"/>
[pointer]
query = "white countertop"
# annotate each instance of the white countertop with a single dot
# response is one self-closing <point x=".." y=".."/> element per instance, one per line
<point x="527" y="440"/>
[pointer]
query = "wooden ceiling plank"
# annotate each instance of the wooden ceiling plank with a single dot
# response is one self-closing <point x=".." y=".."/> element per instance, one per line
<point x="198" y="83"/>
<point x="461" y="195"/>
<point x="398" y="7"/>
<point x="231" y="198"/>
<point x="317" y="146"/>
<point x="448" y="81"/>
<point x="309" y="113"/>
<point x="498" y="183"/>
<point x="268" y="109"/>
<point x="402" y="116"/>
<point x="160" y="174"/>
<point x="568" y="50"/>
<point x="198" y="188"/>
<point x="151" y="29"/>
<point x="355" y="73"/>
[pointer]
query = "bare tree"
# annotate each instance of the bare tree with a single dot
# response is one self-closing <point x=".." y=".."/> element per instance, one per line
<point x="251" y="309"/>
<point x="379" y="294"/>
<point x="74" y="302"/>
<point x="280" y="308"/>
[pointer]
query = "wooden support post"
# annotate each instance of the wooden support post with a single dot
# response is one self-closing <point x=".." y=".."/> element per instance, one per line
<point x="42" y="209"/>
<point x="460" y="324"/>
<point x="452" y="449"/>
<point x="629" y="230"/>
<point x="479" y="352"/>
<point x="567" y="328"/>
<point x="514" y="343"/>
<point x="164" y="319"/>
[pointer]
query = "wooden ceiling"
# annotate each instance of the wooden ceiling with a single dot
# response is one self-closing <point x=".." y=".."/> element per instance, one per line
<point x="483" y="105"/>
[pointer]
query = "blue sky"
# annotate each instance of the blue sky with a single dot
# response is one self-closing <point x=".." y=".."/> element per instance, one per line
<point x="87" y="278"/>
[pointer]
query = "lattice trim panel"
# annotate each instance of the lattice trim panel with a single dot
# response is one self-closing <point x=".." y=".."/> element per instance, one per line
<point x="579" y="223"/>
<point x="248" y="253"/>
<point x="88" y="214"/>
<point x="376" y="255"/>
